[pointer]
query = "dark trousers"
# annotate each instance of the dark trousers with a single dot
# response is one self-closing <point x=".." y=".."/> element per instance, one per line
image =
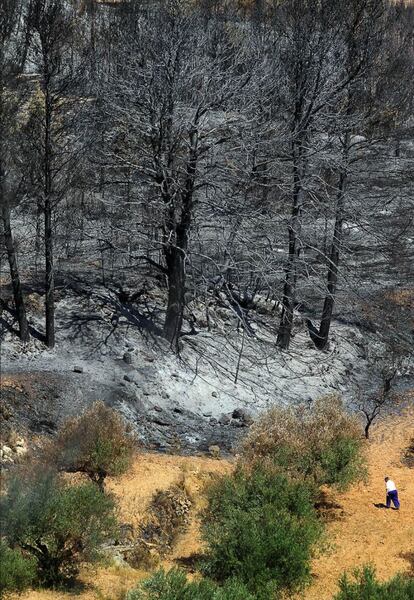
<point x="393" y="497"/>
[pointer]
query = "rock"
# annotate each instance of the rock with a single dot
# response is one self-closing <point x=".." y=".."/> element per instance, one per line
<point x="161" y="422"/>
<point x="157" y="408"/>
<point x="7" y="452"/>
<point x="214" y="394"/>
<point x="165" y="395"/>
<point x="224" y="419"/>
<point x="21" y="451"/>
<point x="77" y="369"/>
<point x="127" y="358"/>
<point x="20" y="443"/>
<point x="119" y="561"/>
<point x="242" y="415"/>
<point x="207" y="414"/>
<point x="213" y="421"/>
<point x="128" y="378"/>
<point x="175" y="375"/>
<point x="214" y="451"/>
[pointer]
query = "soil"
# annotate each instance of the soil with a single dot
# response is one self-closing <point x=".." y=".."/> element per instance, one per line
<point x="357" y="532"/>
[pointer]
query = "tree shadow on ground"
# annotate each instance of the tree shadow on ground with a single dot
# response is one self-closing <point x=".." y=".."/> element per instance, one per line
<point x="190" y="563"/>
<point x="70" y="587"/>
<point x="409" y="557"/>
<point x="111" y="315"/>
<point x="328" y="510"/>
<point x="5" y="325"/>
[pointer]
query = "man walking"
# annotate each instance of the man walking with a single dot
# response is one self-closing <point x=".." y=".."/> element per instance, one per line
<point x="392" y="494"/>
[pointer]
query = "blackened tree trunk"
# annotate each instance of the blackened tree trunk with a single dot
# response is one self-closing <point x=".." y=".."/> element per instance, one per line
<point x="14" y="271"/>
<point x="333" y="263"/>
<point x="289" y="288"/>
<point x="49" y="277"/>
<point x="175" y="254"/>
<point x="48" y="213"/>
<point x="175" y="260"/>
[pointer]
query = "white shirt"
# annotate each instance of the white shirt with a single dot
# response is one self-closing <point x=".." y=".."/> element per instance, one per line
<point x="390" y="485"/>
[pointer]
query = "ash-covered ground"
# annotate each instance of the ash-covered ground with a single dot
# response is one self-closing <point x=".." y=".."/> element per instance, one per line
<point x="112" y="350"/>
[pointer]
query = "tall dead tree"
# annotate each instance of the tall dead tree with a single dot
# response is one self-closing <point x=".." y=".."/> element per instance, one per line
<point x="9" y="107"/>
<point x="306" y="40"/>
<point x="363" y="39"/>
<point x="172" y="97"/>
<point x="51" y="125"/>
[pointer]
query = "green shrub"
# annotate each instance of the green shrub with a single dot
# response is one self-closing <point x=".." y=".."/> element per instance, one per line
<point x="98" y="443"/>
<point x="58" y="525"/>
<point x="367" y="587"/>
<point x="323" y="443"/>
<point x="16" y="571"/>
<point x="260" y="529"/>
<point x="174" y="586"/>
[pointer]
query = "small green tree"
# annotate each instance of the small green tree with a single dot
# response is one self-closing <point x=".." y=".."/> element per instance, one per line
<point x="322" y="443"/>
<point x="173" y="585"/>
<point x="98" y="443"/>
<point x="365" y="586"/>
<point x="57" y="524"/>
<point x="17" y="572"/>
<point x="259" y="528"/>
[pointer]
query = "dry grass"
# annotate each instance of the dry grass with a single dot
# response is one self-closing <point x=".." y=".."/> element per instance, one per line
<point x="358" y="532"/>
<point x="366" y="533"/>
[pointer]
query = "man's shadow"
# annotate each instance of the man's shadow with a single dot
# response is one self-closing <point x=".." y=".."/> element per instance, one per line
<point x="382" y="505"/>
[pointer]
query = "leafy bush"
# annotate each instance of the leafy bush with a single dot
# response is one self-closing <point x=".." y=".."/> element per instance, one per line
<point x="16" y="571"/>
<point x="322" y="444"/>
<point x="260" y="529"/>
<point x="57" y="524"/>
<point x="367" y="587"/>
<point x="97" y="443"/>
<point x="174" y="586"/>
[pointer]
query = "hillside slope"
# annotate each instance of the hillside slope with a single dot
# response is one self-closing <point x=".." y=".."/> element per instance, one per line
<point x="357" y="531"/>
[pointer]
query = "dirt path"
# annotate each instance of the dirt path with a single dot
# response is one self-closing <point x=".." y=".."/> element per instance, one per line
<point x="366" y="534"/>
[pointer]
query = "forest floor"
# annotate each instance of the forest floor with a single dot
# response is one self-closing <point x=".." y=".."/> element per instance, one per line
<point x="357" y="532"/>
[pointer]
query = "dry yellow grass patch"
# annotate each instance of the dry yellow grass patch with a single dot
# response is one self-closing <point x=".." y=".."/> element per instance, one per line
<point x="385" y="538"/>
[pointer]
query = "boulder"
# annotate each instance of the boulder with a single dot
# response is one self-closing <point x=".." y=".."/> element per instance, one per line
<point x="242" y="415"/>
<point x="21" y="451"/>
<point x="127" y="358"/>
<point x="224" y="419"/>
<point x="7" y="451"/>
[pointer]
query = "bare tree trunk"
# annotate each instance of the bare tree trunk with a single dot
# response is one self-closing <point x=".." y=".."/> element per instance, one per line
<point x="289" y="288"/>
<point x="49" y="275"/>
<point x="175" y="255"/>
<point x="175" y="258"/>
<point x="322" y="336"/>
<point x="333" y="265"/>
<point x="14" y="272"/>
